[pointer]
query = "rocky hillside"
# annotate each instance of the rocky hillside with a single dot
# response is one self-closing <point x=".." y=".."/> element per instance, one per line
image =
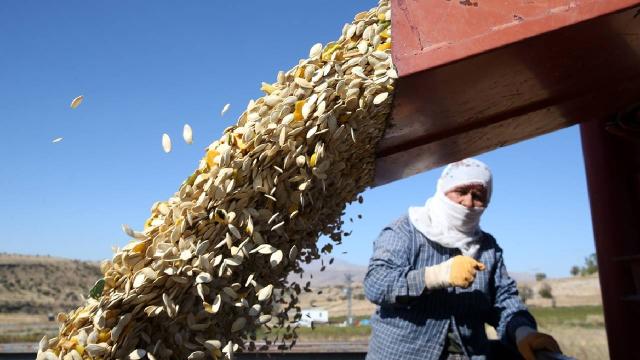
<point x="42" y="284"/>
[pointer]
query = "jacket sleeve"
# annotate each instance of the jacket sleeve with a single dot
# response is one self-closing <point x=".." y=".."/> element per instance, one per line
<point x="508" y="313"/>
<point x="390" y="279"/>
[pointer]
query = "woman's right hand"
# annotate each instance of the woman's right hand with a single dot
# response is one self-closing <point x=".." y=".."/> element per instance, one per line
<point x="463" y="270"/>
<point x="458" y="271"/>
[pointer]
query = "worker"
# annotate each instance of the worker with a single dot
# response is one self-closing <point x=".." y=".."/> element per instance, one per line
<point x="437" y="278"/>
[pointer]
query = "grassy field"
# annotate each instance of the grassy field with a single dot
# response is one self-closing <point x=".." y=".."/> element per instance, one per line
<point x="582" y="316"/>
<point x="16" y="328"/>
<point x="578" y="329"/>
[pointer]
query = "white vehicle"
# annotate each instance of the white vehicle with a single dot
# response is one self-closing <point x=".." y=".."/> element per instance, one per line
<point x="313" y="316"/>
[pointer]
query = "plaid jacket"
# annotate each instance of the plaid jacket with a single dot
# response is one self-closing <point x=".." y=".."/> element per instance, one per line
<point x="412" y="323"/>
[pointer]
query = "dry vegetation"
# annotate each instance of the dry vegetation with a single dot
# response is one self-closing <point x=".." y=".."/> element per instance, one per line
<point x="42" y="284"/>
<point x="570" y="291"/>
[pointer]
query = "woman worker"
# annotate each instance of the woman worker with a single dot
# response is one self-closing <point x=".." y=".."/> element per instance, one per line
<point x="437" y="278"/>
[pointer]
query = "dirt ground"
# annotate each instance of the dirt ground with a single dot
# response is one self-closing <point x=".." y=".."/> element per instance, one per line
<point x="581" y="343"/>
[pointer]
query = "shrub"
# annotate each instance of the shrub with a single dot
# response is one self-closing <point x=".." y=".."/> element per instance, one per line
<point x="525" y="293"/>
<point x="575" y="270"/>
<point x="545" y="291"/>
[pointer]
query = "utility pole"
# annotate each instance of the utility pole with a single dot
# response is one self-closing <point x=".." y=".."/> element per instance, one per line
<point x="349" y="279"/>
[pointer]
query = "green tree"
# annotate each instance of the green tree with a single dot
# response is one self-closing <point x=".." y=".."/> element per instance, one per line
<point x="545" y="291"/>
<point x="540" y="276"/>
<point x="590" y="265"/>
<point x="575" y="270"/>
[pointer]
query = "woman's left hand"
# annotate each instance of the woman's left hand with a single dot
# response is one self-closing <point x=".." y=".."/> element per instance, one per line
<point x="536" y="341"/>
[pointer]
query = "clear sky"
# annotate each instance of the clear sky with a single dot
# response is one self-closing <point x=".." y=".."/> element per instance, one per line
<point x="148" y="67"/>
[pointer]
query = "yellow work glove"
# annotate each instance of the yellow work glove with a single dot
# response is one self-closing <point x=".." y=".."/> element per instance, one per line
<point x="530" y="341"/>
<point x="458" y="271"/>
<point x="463" y="271"/>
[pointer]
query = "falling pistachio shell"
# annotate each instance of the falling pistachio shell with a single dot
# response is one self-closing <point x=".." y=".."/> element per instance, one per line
<point x="249" y="280"/>
<point x="329" y="50"/>
<point x="264" y="249"/>
<point x="265" y="293"/>
<point x="187" y="134"/>
<point x="224" y="109"/>
<point x="383" y="47"/>
<point x="42" y="345"/>
<point x="215" y="306"/>
<point x="238" y="324"/>
<point x="196" y="355"/>
<point x="96" y="350"/>
<point x="263" y="319"/>
<point x="276" y="258"/>
<point x="312" y="132"/>
<point x="77" y="101"/>
<point x="380" y="98"/>
<point x="297" y="114"/>
<point x="274" y="181"/>
<point x="138" y="280"/>
<point x="137" y="354"/>
<point x="211" y="158"/>
<point x="217" y="302"/>
<point x="127" y="230"/>
<point x="293" y="253"/>
<point x="166" y="143"/>
<point x="313" y="160"/>
<point x="315" y="51"/>
<point x="212" y="344"/>
<point x="204" y="278"/>
<point x="301" y="160"/>
<point x="227" y="349"/>
<point x="267" y="88"/>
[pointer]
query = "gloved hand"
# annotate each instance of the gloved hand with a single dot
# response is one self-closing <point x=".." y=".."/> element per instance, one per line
<point x="530" y="341"/>
<point x="458" y="271"/>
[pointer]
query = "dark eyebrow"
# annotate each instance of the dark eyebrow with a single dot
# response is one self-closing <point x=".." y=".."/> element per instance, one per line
<point x="471" y="187"/>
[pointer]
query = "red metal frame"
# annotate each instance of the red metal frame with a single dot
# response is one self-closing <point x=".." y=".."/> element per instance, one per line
<point x="547" y="70"/>
<point x="434" y="32"/>
<point x="475" y="75"/>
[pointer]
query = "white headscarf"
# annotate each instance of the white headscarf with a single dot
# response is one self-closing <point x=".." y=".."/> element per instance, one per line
<point x="447" y="223"/>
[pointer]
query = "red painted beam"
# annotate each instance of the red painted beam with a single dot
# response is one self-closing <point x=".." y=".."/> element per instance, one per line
<point x="477" y="77"/>
<point x="430" y="33"/>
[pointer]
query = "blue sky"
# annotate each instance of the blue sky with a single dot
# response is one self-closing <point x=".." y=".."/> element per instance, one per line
<point x="146" y="68"/>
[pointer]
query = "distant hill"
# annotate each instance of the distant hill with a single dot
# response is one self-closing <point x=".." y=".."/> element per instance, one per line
<point x="43" y="284"/>
<point x="333" y="275"/>
<point x="569" y="291"/>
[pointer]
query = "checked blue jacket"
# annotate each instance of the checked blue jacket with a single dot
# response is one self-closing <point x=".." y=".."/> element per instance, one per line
<point x="412" y="323"/>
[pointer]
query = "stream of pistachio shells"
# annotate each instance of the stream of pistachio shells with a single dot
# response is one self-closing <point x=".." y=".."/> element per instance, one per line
<point x="211" y="265"/>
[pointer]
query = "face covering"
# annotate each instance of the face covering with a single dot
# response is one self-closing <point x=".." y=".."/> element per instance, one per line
<point x="450" y="224"/>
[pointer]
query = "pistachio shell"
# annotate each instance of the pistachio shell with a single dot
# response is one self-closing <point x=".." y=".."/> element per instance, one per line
<point x="76" y="102"/>
<point x="187" y="134"/>
<point x="166" y="143"/>
<point x="265" y="293"/>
